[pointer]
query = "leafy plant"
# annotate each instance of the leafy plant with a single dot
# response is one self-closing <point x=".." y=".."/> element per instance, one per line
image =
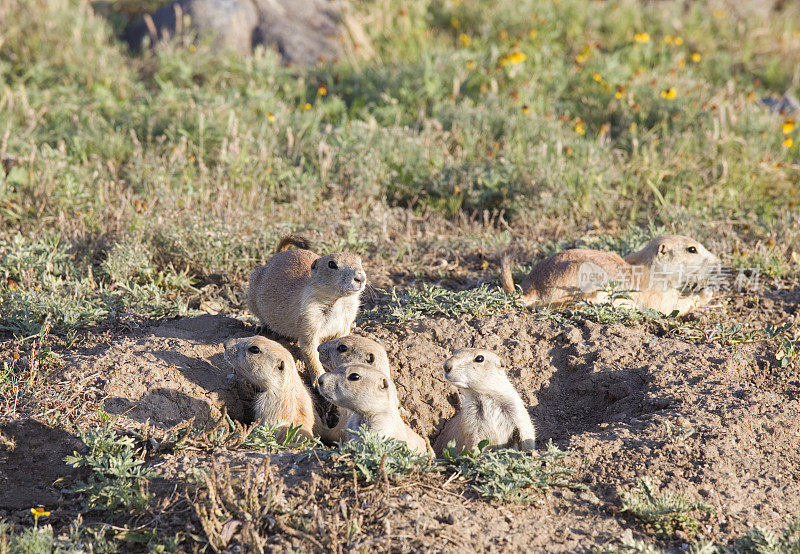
<point x="117" y="480"/>
<point x="666" y="513"/>
<point x="763" y="541"/>
<point x="432" y="301"/>
<point x="375" y="457"/>
<point x="509" y="475"/>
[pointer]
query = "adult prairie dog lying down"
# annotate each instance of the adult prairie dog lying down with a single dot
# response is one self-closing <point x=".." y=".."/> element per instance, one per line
<point x="654" y="274"/>
<point x="371" y="397"/>
<point x="491" y="408"/>
<point x="283" y="398"/>
<point x="306" y="297"/>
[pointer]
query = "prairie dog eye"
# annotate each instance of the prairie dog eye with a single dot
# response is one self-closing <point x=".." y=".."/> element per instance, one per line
<point x="353" y="377"/>
<point x="254" y="349"/>
<point x="692" y="250"/>
<point x="332" y="265"/>
<point x="341" y="347"/>
<point x="479" y="358"/>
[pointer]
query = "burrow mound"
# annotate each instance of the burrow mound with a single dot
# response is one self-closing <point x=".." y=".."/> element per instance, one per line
<point x="572" y="378"/>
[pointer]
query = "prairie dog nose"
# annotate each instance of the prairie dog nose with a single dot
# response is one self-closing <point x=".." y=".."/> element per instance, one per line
<point x="360" y="276"/>
<point x="448" y="365"/>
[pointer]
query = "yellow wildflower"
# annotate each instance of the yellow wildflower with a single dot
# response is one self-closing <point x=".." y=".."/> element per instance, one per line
<point x="532" y="33"/>
<point x="464" y="39"/>
<point x="788" y="143"/>
<point x="668" y="39"/>
<point x="192" y="48"/>
<point x="307" y="106"/>
<point x="579" y="127"/>
<point x="455" y="22"/>
<point x="322" y="90"/>
<point x="788" y="126"/>
<point x="642" y="38"/>
<point x="669" y="93"/>
<point x="597" y="77"/>
<point x="696" y="57"/>
<point x="40" y="512"/>
<point x="513" y="58"/>
<point x="270" y="117"/>
<point x="584" y="54"/>
<point x="677" y="41"/>
<point x="470" y="64"/>
<point x="620" y="92"/>
<point x="525" y="109"/>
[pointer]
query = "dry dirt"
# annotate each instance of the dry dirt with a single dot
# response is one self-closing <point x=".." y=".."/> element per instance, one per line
<point x="720" y="423"/>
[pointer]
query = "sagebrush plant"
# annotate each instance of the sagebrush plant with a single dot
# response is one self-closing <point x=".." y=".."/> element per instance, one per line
<point x="117" y="481"/>
<point x="666" y="513"/>
<point x="509" y="475"/>
<point x="374" y="457"/>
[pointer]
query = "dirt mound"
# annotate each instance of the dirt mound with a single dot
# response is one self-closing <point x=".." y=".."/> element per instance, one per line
<point x="166" y="374"/>
<point x="719" y="423"/>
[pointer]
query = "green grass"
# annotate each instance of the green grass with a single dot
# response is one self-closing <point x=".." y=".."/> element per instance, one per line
<point x="140" y="179"/>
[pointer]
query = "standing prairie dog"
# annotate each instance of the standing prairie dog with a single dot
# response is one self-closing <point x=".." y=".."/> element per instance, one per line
<point x="283" y="398"/>
<point x="306" y="297"/>
<point x="346" y="350"/>
<point x="654" y="275"/>
<point x="491" y="409"/>
<point x="372" y="398"/>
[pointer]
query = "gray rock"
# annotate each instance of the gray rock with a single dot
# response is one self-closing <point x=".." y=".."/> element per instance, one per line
<point x="303" y="31"/>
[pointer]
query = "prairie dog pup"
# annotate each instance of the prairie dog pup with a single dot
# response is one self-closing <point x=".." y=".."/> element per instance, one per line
<point x="372" y="398"/>
<point x="283" y="398"/>
<point x="306" y="297"/>
<point x="353" y="349"/>
<point x="654" y="274"/>
<point x="491" y="409"/>
<point x="347" y="350"/>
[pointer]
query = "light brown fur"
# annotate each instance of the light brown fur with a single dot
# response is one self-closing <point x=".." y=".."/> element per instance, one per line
<point x="652" y="275"/>
<point x="372" y="398"/>
<point x="491" y="409"/>
<point x="346" y="350"/>
<point x="306" y="297"/>
<point x="283" y="398"/>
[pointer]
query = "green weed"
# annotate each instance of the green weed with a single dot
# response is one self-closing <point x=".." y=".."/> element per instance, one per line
<point x="665" y="513"/>
<point x="433" y="301"/>
<point x="374" y="457"/>
<point x="508" y="475"/>
<point x="117" y="478"/>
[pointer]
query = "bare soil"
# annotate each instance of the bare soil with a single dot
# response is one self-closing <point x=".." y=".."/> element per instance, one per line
<point x="718" y="422"/>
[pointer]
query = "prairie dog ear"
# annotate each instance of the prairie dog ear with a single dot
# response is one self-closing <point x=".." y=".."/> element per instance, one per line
<point x="314" y="264"/>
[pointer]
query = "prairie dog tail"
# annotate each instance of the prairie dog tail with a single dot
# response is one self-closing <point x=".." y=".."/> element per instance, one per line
<point x="506" y="279"/>
<point x="293" y="240"/>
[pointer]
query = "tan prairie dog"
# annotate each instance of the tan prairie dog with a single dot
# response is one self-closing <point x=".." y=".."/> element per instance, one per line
<point x="346" y="350"/>
<point x="654" y="274"/>
<point x="306" y="297"/>
<point x="491" y="408"/>
<point x="371" y="397"/>
<point x="283" y="398"/>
